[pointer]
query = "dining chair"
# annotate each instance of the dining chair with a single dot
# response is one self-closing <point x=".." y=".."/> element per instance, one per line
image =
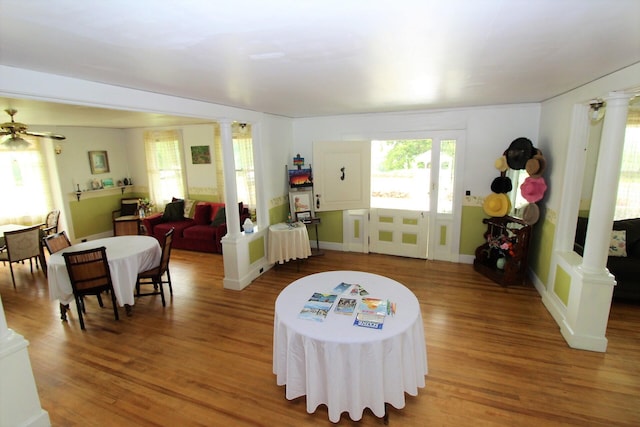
<point x="155" y="275"/>
<point x="126" y="226"/>
<point x="57" y="241"/>
<point x="22" y="245"/>
<point x="128" y="208"/>
<point x="51" y="223"/>
<point x="89" y="275"/>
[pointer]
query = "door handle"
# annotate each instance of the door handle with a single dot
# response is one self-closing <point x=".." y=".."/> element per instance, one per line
<point x="317" y="201"/>
<point x="342" y="176"/>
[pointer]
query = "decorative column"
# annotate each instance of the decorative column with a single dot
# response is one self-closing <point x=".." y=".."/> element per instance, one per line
<point x="589" y="302"/>
<point x="605" y="186"/>
<point x="19" y="401"/>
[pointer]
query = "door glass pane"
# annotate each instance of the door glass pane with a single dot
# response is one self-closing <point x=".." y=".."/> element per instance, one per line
<point x="400" y="174"/>
<point x="446" y="176"/>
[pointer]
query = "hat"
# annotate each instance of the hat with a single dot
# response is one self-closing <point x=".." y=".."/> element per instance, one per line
<point x="536" y="165"/>
<point x="501" y="164"/>
<point x="501" y="184"/>
<point x="496" y="204"/>
<point x="520" y="150"/>
<point x="532" y="189"/>
<point x="531" y="213"/>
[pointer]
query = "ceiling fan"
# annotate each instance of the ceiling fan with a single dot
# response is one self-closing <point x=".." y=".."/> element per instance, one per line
<point x="15" y="129"/>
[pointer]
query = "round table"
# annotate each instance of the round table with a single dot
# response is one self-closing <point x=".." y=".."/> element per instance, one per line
<point x="346" y="367"/>
<point x="288" y="242"/>
<point x="127" y="256"/>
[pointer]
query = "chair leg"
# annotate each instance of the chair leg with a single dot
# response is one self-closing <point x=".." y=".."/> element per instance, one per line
<point x="115" y="306"/>
<point x="80" y="307"/>
<point x="162" y="292"/>
<point x="100" y="300"/>
<point x="12" y="276"/>
<point x="169" y="282"/>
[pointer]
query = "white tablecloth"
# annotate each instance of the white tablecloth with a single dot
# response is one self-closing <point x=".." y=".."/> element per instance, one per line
<point x="347" y="367"/>
<point x="127" y="256"/>
<point x="287" y="243"/>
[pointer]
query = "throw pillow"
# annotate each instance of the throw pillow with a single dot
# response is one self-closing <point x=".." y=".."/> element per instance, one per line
<point x="221" y="218"/>
<point x="189" y="211"/>
<point x="618" y="245"/>
<point x="174" y="211"/>
<point x="202" y="215"/>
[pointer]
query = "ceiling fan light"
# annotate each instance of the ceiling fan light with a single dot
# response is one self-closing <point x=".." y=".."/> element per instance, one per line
<point x="15" y="142"/>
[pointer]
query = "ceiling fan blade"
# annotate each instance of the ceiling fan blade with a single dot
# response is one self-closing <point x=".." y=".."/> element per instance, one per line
<point x="5" y="132"/>
<point x="45" y="135"/>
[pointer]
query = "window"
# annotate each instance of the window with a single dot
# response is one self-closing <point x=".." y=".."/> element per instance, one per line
<point x="25" y="185"/>
<point x="628" y="202"/>
<point x="245" y="173"/>
<point x="164" y="166"/>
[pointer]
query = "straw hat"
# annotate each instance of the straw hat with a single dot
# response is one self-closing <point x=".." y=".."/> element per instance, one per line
<point x="520" y="150"/>
<point x="496" y="204"/>
<point x="536" y="165"/>
<point x="501" y="184"/>
<point x="531" y="214"/>
<point x="532" y="189"/>
<point x="501" y="164"/>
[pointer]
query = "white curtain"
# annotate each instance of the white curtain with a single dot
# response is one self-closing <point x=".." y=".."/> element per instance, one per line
<point x="628" y="201"/>
<point x="245" y="173"/>
<point x="165" y="166"/>
<point x="25" y="185"/>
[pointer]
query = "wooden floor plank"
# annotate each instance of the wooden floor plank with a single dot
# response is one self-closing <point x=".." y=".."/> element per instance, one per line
<point x="495" y="355"/>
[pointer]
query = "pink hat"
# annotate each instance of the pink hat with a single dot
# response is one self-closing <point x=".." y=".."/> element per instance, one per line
<point x="532" y="189"/>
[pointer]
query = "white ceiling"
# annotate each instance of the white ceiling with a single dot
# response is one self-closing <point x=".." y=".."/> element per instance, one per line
<point x="301" y="58"/>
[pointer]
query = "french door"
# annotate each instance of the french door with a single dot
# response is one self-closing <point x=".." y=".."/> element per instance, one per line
<point x="414" y="211"/>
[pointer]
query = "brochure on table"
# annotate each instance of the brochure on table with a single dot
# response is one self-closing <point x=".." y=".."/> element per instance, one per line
<point x="347" y="299"/>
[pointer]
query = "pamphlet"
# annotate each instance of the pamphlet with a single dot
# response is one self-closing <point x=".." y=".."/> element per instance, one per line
<point x="346" y="306"/>
<point x="372" y="312"/>
<point x="317" y="307"/>
<point x="342" y="288"/>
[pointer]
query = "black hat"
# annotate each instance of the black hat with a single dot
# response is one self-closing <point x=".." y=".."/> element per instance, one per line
<point x="520" y="150"/>
<point x="501" y="184"/>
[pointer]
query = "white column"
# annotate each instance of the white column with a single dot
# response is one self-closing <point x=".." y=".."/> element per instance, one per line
<point x="230" y="187"/>
<point x="603" y="200"/>
<point x="19" y="401"/>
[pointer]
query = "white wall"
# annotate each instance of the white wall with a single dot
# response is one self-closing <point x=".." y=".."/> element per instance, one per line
<point x="489" y="131"/>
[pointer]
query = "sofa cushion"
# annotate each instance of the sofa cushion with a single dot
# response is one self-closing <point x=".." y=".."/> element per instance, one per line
<point x="221" y="217"/>
<point x="199" y="232"/>
<point x="174" y="211"/>
<point x="202" y="215"/>
<point x="179" y="226"/>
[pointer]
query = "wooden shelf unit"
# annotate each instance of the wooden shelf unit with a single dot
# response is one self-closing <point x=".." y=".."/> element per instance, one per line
<point x="515" y="269"/>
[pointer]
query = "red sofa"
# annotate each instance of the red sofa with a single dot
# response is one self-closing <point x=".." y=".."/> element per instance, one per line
<point x="201" y="233"/>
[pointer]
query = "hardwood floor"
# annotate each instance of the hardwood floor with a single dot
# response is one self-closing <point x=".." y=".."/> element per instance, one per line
<point x="495" y="355"/>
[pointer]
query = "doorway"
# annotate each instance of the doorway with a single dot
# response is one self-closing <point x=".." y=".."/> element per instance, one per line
<point x="414" y="211"/>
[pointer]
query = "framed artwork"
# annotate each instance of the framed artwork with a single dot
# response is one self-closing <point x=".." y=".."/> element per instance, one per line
<point x="107" y="183"/>
<point x="99" y="162"/>
<point x="300" y="178"/>
<point x="200" y="155"/>
<point x="301" y="201"/>
<point x="304" y="216"/>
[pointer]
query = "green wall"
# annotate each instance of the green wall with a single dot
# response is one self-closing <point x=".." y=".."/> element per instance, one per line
<point x="472" y="229"/>
<point x="562" y="285"/>
<point x="541" y="248"/>
<point x="256" y="250"/>
<point x="92" y="215"/>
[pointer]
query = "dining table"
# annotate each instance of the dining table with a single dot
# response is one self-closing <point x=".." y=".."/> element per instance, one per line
<point x="127" y="256"/>
<point x="340" y="364"/>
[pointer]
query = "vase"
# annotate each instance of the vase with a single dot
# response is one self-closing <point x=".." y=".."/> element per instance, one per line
<point x="500" y="262"/>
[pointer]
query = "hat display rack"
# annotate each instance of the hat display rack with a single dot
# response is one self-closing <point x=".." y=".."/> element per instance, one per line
<point x="521" y="155"/>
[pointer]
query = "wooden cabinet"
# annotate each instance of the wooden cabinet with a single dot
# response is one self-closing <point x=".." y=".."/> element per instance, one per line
<point x="507" y="237"/>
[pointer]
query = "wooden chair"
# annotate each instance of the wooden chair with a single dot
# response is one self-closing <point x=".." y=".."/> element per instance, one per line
<point x="126" y="226"/>
<point x="89" y="274"/>
<point x="128" y="209"/>
<point x="154" y="276"/>
<point x="22" y="245"/>
<point x="51" y="223"/>
<point x="57" y="241"/>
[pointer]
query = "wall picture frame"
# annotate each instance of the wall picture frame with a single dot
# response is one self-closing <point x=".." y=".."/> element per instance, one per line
<point x="99" y="162"/>
<point x="300" y="201"/>
<point x="200" y="155"/>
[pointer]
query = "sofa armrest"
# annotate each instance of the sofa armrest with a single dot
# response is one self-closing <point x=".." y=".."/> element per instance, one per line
<point x="151" y="221"/>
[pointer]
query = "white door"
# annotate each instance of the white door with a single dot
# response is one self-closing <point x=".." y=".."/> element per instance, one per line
<point x="415" y="204"/>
